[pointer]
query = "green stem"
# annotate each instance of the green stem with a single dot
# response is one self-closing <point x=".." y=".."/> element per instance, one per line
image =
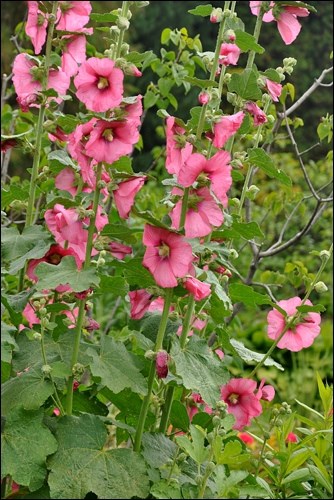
<point x="45" y="361"/>
<point x="256" y="34"/>
<point x="295" y="316"/>
<point x="150" y="382"/>
<point x="183" y="338"/>
<point x="184" y="208"/>
<point x="81" y="313"/>
<point x="125" y="9"/>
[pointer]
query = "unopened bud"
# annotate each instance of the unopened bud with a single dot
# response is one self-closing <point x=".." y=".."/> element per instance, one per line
<point x="216" y="421"/>
<point x="270" y="118"/>
<point x="210" y="467"/>
<point x="78" y="369"/>
<point x="320" y="287"/>
<point x="150" y="355"/>
<point x="252" y="192"/>
<point x="44" y="322"/>
<point x="37" y="336"/>
<point x="230" y="36"/>
<point x="122" y="23"/>
<point x="161" y="364"/>
<point x="46" y="369"/>
<point x="216" y="15"/>
<point x="233" y="254"/>
<point x="203" y="98"/>
<point x="227" y="78"/>
<point x="324" y="254"/>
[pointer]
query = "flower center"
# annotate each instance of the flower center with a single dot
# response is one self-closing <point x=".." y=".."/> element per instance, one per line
<point x="193" y="201"/>
<point x="233" y="398"/>
<point x="54" y="259"/>
<point x="108" y="134"/>
<point x="65" y="6"/>
<point x="102" y="83"/>
<point x="164" y="250"/>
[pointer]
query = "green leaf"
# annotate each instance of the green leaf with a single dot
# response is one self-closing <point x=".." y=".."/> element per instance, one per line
<point x="113" y="284"/>
<point x="17" y="248"/>
<point x="247" y="230"/>
<point x="119" y="232"/>
<point x="135" y="273"/>
<point x="307" y="309"/>
<point x="60" y="156"/>
<point x="251" y="356"/>
<point x="297" y="475"/>
<point x="150" y="327"/>
<point x="195" y="448"/>
<point x="124" y="164"/>
<point x="200" y="370"/>
<point x="65" y="273"/>
<point x="107" y="17"/>
<point x="246" y="295"/>
<point x="29" y="390"/>
<point x="245" y="85"/>
<point x="150" y="218"/>
<point x="83" y="463"/>
<point x="165" y="489"/>
<point x="203" y="84"/>
<point x="300" y="4"/>
<point x="14" y="193"/>
<point x="115" y="368"/>
<point x="179" y="417"/>
<point x="26" y="442"/>
<point x="232" y="454"/>
<point x="150" y="98"/>
<point x="165" y="36"/>
<point x="247" y="42"/>
<point x="261" y="159"/>
<point x="15" y="304"/>
<point x="326" y="394"/>
<point x="158" y="449"/>
<point x="272" y="75"/>
<point x="296" y="459"/>
<point x="201" y="10"/>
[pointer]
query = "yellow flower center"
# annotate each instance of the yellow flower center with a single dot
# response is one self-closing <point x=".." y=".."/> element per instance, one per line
<point x="164" y="250"/>
<point x="233" y="398"/>
<point x="108" y="135"/>
<point x="103" y="83"/>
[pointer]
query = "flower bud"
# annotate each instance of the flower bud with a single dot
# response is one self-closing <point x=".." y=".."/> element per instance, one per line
<point x="78" y="369"/>
<point x="43" y="311"/>
<point x="44" y="322"/>
<point x="227" y="78"/>
<point x="203" y="98"/>
<point x="324" y="254"/>
<point x="216" y="15"/>
<point x="161" y="364"/>
<point x="230" y="36"/>
<point x="252" y="192"/>
<point x="270" y="118"/>
<point x="37" y="336"/>
<point x="216" y="421"/>
<point x="182" y="457"/>
<point x="233" y="254"/>
<point x="150" y="355"/>
<point x="46" y="369"/>
<point x="210" y="467"/>
<point x="320" y="287"/>
<point x="122" y="23"/>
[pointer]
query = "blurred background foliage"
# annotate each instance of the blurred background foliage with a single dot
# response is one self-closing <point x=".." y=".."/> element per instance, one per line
<point x="288" y="271"/>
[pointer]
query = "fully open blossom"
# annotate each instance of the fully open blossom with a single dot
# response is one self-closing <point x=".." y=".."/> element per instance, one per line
<point x="298" y="337"/>
<point x="77" y="141"/>
<point x="265" y="392"/>
<point x="36" y="26"/>
<point x="229" y="54"/>
<point x="259" y="116"/>
<point x="227" y="126"/>
<point x="203" y="213"/>
<point x="197" y="288"/>
<point x="27" y="79"/>
<point x="125" y="193"/>
<point x="177" y="149"/>
<point x="109" y="140"/>
<point x="217" y="170"/>
<point x="274" y="89"/>
<point x="74" y="52"/>
<point x="118" y="250"/>
<point x="73" y="16"/>
<point x="286" y="17"/>
<point x="99" y="84"/>
<point x="168" y="256"/>
<point x="239" y="396"/>
<point x="66" y="226"/>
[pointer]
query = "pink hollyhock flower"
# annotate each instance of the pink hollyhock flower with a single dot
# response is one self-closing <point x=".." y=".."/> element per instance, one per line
<point x="74" y="52"/>
<point x="56" y="412"/>
<point x="27" y="79"/>
<point x="73" y="16"/>
<point x="76" y="384"/>
<point x="161" y="364"/>
<point x="197" y="288"/>
<point x="26" y="102"/>
<point x="217" y="170"/>
<point x="227" y="126"/>
<point x="30" y="315"/>
<point x="125" y="193"/>
<point x="139" y="302"/>
<point x="99" y="84"/>
<point x="265" y="392"/>
<point x="109" y="140"/>
<point x="168" y="256"/>
<point x="246" y="438"/>
<point x="220" y="353"/>
<point x="285" y="16"/>
<point x="53" y="256"/>
<point x="258" y="115"/>
<point x="118" y="250"/>
<point x="202" y="215"/>
<point x="239" y="396"/>
<point x="299" y="337"/>
<point x="91" y="325"/>
<point x="229" y="54"/>
<point x="158" y="305"/>
<point x="66" y="181"/>
<point x="58" y="135"/>
<point x="203" y="98"/>
<point x="291" y="438"/>
<point x="36" y="26"/>
<point x="177" y="150"/>
<point x="274" y="89"/>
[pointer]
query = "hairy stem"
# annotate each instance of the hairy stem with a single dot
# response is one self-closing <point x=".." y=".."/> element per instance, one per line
<point x="125" y="9"/>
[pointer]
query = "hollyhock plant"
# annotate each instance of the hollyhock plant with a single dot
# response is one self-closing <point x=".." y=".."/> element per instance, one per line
<point x="109" y="140"/>
<point x="99" y="84"/>
<point x="36" y="26"/>
<point x="227" y="126"/>
<point x="118" y="250"/>
<point x="259" y="116"/>
<point x="27" y="79"/>
<point x="177" y="149"/>
<point x="286" y="17"/>
<point x="239" y="396"/>
<point x="73" y="16"/>
<point x="74" y="52"/>
<point x="168" y="256"/>
<point x="77" y="143"/>
<point x="125" y="194"/>
<point x="274" y="89"/>
<point x="297" y="337"/>
<point x="265" y="392"/>
<point x="217" y="170"/>
<point x="197" y="288"/>
<point x="203" y="213"/>
<point x="229" y="54"/>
